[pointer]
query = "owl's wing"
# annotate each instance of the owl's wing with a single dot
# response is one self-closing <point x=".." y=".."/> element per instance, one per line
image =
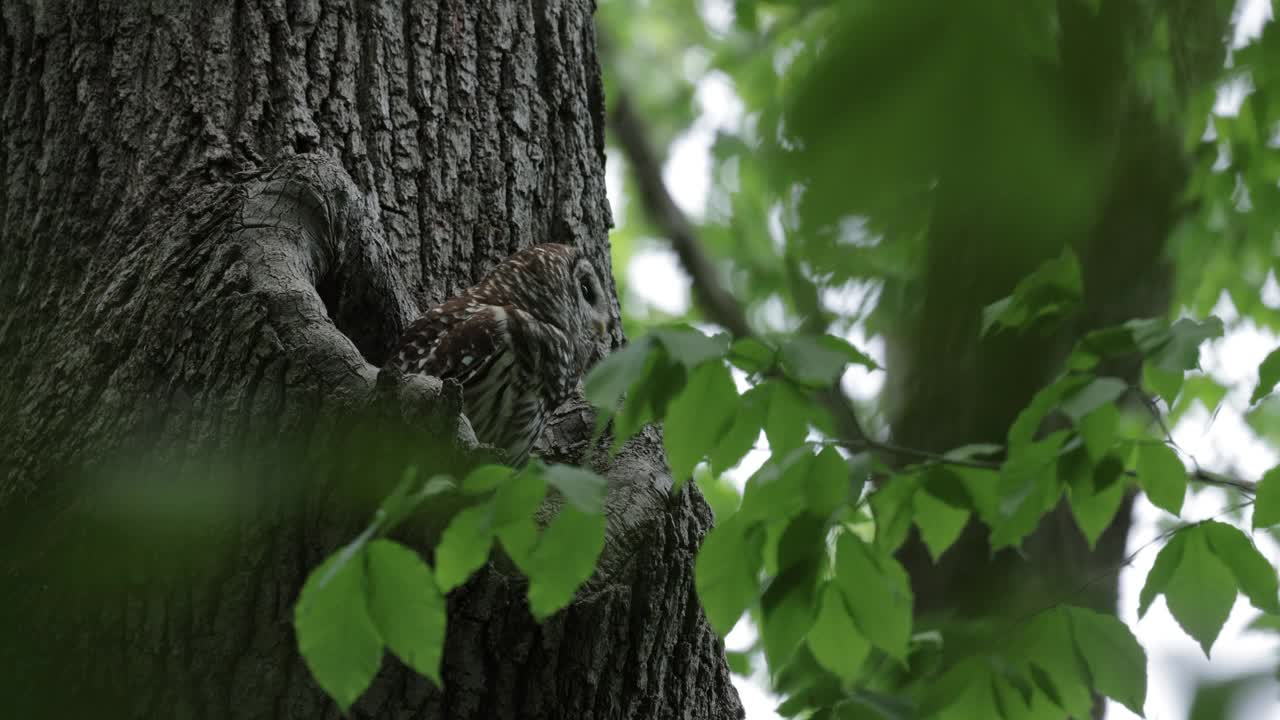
<point x="461" y="343"/>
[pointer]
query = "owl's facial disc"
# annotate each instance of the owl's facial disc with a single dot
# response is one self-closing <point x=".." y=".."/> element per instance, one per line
<point x="591" y="299"/>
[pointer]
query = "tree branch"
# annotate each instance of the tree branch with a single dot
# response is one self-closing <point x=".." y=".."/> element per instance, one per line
<point x="720" y="306"/>
<point x="715" y="300"/>
<point x="1199" y="475"/>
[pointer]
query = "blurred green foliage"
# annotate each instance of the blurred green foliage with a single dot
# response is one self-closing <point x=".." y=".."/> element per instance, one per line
<point x="1069" y="152"/>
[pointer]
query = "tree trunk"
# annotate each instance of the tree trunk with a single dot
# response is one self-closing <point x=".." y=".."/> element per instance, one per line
<point x="953" y="387"/>
<point x="217" y="218"/>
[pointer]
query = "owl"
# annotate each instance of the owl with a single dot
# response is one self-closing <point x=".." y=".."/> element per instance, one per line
<point x="517" y="342"/>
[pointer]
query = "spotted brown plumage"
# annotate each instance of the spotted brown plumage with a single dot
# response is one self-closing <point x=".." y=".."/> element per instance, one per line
<point x="517" y="342"/>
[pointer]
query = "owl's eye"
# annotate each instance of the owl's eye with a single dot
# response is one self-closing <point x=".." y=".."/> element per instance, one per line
<point x="588" y="292"/>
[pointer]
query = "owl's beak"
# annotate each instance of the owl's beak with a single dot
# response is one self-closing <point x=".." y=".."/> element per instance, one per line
<point x="602" y="328"/>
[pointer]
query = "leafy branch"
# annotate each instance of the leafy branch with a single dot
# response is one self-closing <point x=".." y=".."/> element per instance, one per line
<point x="715" y="300"/>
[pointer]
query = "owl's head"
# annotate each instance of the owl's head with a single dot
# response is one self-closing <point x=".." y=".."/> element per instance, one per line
<point x="558" y="285"/>
<point x="592" y="304"/>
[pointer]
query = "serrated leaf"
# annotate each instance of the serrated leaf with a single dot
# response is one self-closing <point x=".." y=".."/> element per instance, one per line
<point x="777" y="489"/>
<point x="834" y="640"/>
<point x="877" y="593"/>
<point x="691" y="347"/>
<point x="787" y="608"/>
<point x="486" y="478"/>
<point x="464" y="546"/>
<point x="940" y="524"/>
<point x="610" y="378"/>
<point x="744" y="431"/>
<point x="1093" y="503"/>
<point x="583" y="488"/>
<point x="1166" y="563"/>
<point x="721" y="494"/>
<point x="1162" y="476"/>
<point x="514" y="505"/>
<point x="1165" y="382"/>
<point x="1027" y="424"/>
<point x="1268" y="376"/>
<point x="1202" y="590"/>
<point x="820" y="361"/>
<point x="892" y="505"/>
<point x="1028" y="488"/>
<point x="406" y="606"/>
<point x="1115" y="660"/>
<point x="699" y="417"/>
<point x="564" y="558"/>
<point x="827" y="488"/>
<point x="1047" y="643"/>
<point x="1098" y="430"/>
<point x="751" y="355"/>
<point x="1254" y="575"/>
<point x="337" y="639"/>
<point x="1052" y="291"/>
<point x="787" y="421"/>
<point x="1266" y="503"/>
<point x="1100" y="392"/>
<point x="725" y="573"/>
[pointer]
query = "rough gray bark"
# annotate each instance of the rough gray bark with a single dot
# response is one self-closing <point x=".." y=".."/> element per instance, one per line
<point x="216" y="218"/>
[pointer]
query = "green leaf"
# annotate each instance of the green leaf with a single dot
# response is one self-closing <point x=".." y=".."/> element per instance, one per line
<point x="892" y="504"/>
<point x="787" y="609"/>
<point x="514" y="505"/>
<point x="564" y="558"/>
<point x="1027" y="424"/>
<point x="406" y="606"/>
<point x="828" y="484"/>
<point x="1099" y="393"/>
<point x="1094" y="502"/>
<point x="337" y="638"/>
<point x="777" y="489"/>
<point x="1052" y="291"/>
<point x="1028" y="488"/>
<point x="834" y="640"/>
<point x="940" y="524"/>
<point x="1165" y="382"/>
<point x="1115" y="660"/>
<point x="691" y="347"/>
<point x="721" y="495"/>
<point x="1266" y="505"/>
<point x="726" y="572"/>
<point x="947" y="484"/>
<point x="464" y="546"/>
<point x="1098" y="430"/>
<point x="1162" y="571"/>
<point x="787" y="422"/>
<point x="878" y="594"/>
<point x="1182" y="352"/>
<point x="1255" y="576"/>
<point x="585" y="489"/>
<point x="1047" y="643"/>
<point x="616" y="374"/>
<point x="820" y="361"/>
<point x="486" y="478"/>
<point x="744" y="431"/>
<point x="1268" y="376"/>
<point x="647" y="401"/>
<point x="751" y="355"/>
<point x="699" y="417"/>
<point x="1162" y="476"/>
<point x="1202" y="590"/>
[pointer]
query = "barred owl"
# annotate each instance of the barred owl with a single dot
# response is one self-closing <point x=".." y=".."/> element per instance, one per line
<point x="517" y="342"/>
